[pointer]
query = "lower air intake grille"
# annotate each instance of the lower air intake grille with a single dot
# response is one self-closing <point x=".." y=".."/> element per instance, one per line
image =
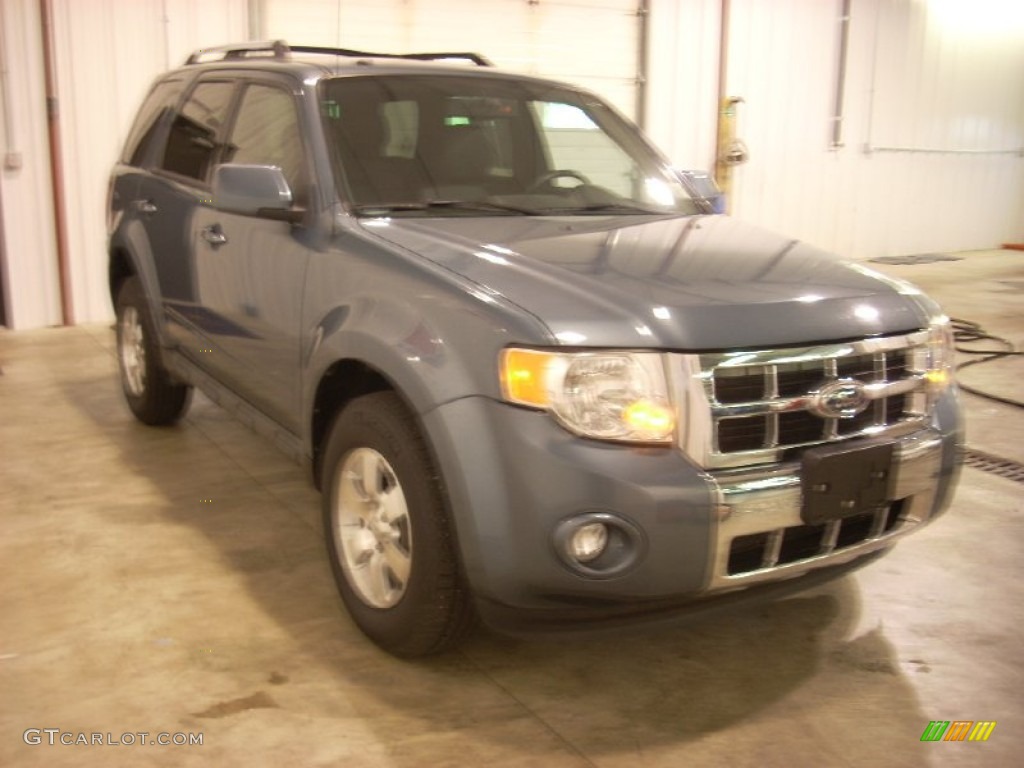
<point x="771" y="549"/>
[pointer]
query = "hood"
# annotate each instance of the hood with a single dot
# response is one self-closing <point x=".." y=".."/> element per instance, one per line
<point x="693" y="283"/>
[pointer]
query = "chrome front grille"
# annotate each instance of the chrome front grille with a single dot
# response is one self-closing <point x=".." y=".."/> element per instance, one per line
<point x="750" y="407"/>
<point x="769" y="400"/>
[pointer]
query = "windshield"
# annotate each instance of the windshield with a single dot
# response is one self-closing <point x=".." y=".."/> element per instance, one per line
<point x="448" y="145"/>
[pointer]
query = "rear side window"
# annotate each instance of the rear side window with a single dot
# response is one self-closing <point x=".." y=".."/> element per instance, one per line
<point x="194" y="141"/>
<point x="144" y="131"/>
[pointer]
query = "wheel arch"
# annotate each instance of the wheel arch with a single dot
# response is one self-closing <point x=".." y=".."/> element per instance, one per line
<point x="119" y="268"/>
<point x="129" y="255"/>
<point x="371" y="346"/>
<point x="342" y="382"/>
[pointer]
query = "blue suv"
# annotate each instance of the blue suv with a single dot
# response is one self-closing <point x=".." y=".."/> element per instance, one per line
<point x="537" y="379"/>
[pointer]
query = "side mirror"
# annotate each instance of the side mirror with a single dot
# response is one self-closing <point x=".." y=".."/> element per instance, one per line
<point x="702" y="187"/>
<point x="254" y="190"/>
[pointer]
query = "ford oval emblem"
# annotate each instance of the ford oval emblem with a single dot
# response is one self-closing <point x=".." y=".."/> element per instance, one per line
<point x="841" y="399"/>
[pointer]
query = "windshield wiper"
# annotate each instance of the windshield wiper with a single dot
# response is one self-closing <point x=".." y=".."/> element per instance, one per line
<point x="481" y="205"/>
<point x="450" y="205"/>
<point x="597" y="208"/>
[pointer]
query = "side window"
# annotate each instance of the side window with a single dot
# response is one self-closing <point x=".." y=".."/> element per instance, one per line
<point x="193" y="142"/>
<point x="266" y="132"/>
<point x="143" y="133"/>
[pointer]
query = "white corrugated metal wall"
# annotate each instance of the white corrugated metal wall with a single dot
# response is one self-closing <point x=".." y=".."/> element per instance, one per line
<point x="30" y="262"/>
<point x="933" y="128"/>
<point x="593" y="43"/>
<point x="938" y="77"/>
<point x="682" y="89"/>
<point x="107" y="53"/>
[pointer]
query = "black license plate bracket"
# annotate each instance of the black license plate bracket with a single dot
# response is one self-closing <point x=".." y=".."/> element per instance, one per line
<point x="847" y="479"/>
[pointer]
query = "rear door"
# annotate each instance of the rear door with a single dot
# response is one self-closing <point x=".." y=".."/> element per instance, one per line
<point x="131" y="219"/>
<point x="166" y="200"/>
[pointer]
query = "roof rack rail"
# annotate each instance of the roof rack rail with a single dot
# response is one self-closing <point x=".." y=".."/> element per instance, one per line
<point x="279" y="49"/>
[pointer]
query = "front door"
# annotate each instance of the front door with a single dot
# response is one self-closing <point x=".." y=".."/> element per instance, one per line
<point x="250" y="271"/>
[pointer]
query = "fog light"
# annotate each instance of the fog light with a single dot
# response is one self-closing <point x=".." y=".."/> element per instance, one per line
<point x="598" y="544"/>
<point x="588" y="542"/>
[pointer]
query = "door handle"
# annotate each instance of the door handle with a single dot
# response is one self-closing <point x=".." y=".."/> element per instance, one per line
<point x="147" y="207"/>
<point x="213" y="235"/>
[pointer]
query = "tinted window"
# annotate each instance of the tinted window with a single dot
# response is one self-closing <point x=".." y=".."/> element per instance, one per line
<point x="452" y="145"/>
<point x="192" y="146"/>
<point x="140" y="140"/>
<point x="266" y="132"/>
<point x="401" y="140"/>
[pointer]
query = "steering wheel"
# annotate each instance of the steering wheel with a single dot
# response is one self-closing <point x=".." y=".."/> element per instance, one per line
<point x="547" y="179"/>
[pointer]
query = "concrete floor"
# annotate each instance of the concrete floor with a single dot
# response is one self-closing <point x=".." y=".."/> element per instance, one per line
<point x="174" y="581"/>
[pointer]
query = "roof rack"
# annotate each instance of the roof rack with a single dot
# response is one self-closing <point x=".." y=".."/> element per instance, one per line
<point x="279" y="49"/>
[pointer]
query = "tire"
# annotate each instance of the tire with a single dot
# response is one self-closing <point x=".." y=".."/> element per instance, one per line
<point x="388" y="531"/>
<point x="152" y="394"/>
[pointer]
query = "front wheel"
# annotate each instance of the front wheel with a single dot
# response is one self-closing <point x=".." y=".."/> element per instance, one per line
<point x="388" y="532"/>
<point x="152" y="394"/>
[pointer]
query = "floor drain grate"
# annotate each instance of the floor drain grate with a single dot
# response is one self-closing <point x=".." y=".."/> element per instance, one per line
<point x="996" y="465"/>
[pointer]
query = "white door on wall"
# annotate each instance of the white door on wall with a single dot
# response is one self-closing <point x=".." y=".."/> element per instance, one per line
<point x="591" y="43"/>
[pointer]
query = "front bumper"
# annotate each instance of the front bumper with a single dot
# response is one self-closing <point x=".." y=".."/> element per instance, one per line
<point x="513" y="477"/>
<point x="761" y="536"/>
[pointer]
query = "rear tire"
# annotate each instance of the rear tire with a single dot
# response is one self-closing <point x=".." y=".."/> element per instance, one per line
<point x="152" y="394"/>
<point x="388" y="531"/>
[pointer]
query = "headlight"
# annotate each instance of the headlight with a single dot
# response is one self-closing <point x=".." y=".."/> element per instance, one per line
<point x="939" y="367"/>
<point x="605" y="395"/>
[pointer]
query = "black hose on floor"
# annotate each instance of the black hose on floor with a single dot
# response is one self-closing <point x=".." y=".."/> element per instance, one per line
<point x="968" y="332"/>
